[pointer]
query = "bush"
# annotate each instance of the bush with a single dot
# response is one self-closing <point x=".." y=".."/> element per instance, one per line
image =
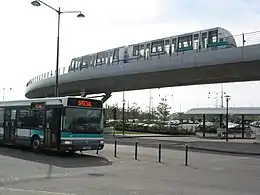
<point x="157" y="129"/>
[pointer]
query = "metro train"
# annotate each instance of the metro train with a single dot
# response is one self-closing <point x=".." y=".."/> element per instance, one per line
<point x="204" y="40"/>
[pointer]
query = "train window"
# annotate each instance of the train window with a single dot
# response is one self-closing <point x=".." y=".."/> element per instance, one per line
<point x="204" y="40"/>
<point x="1" y="117"/>
<point x="147" y="50"/>
<point x="196" y="44"/>
<point x="116" y="54"/>
<point x="213" y="36"/>
<point x="196" y="41"/>
<point x="136" y="50"/>
<point x="214" y="39"/>
<point x="174" y="45"/>
<point x="141" y="50"/>
<point x="157" y="46"/>
<point x="185" y="41"/>
<point x="167" y="46"/>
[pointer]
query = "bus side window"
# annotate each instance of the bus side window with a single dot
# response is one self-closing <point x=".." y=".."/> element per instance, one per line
<point x="49" y="118"/>
<point x="2" y="117"/>
<point x="36" y="119"/>
<point x="23" y="118"/>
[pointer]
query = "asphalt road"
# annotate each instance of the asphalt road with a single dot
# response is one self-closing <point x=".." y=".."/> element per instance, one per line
<point x="23" y="172"/>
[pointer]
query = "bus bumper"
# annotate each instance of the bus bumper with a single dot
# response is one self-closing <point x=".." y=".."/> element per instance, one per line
<point x="81" y="145"/>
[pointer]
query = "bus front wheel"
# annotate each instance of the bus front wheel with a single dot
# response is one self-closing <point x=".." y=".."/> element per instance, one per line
<point x="35" y="144"/>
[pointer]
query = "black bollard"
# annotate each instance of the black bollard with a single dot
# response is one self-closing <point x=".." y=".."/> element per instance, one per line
<point x="160" y="152"/>
<point x="135" y="150"/>
<point x="186" y="154"/>
<point x="115" y="148"/>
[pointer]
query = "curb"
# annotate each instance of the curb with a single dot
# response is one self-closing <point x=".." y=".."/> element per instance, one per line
<point x="224" y="151"/>
<point x="138" y="136"/>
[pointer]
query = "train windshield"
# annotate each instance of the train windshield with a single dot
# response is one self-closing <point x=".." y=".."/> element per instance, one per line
<point x="82" y="120"/>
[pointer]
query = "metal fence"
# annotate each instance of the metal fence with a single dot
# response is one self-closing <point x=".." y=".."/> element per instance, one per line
<point x="245" y="39"/>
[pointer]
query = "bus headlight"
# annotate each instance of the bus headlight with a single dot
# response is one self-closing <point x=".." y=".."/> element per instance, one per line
<point x="101" y="142"/>
<point x="67" y="142"/>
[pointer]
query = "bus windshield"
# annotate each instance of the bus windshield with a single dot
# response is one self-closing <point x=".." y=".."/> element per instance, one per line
<point x="82" y="120"/>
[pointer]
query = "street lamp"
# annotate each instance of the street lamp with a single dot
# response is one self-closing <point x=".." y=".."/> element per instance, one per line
<point x="38" y="3"/>
<point x="123" y="113"/>
<point x="227" y="99"/>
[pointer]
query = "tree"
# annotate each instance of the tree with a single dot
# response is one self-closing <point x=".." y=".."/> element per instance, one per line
<point x="163" y="109"/>
<point x="134" y="111"/>
<point x="112" y="112"/>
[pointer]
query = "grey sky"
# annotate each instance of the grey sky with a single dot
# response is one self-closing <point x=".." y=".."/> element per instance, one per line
<point x="28" y="39"/>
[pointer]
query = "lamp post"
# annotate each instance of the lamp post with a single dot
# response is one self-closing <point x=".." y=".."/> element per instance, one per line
<point x="123" y="113"/>
<point x="227" y="99"/>
<point x="150" y="104"/>
<point x="38" y="3"/>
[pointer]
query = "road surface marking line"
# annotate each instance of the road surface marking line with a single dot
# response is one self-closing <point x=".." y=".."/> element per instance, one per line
<point x="34" y="191"/>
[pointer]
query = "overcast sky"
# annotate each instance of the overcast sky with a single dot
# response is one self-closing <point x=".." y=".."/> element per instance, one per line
<point x="28" y="40"/>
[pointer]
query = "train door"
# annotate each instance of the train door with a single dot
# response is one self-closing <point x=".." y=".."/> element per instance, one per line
<point x="10" y="125"/>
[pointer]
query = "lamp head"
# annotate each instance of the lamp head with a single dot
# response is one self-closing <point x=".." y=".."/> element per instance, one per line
<point x="80" y="15"/>
<point x="36" y="3"/>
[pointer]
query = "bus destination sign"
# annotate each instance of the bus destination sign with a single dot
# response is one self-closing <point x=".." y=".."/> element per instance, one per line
<point x="84" y="103"/>
<point x="37" y="105"/>
<point x="80" y="102"/>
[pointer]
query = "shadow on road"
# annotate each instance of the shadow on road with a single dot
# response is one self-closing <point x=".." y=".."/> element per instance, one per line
<point x="52" y="158"/>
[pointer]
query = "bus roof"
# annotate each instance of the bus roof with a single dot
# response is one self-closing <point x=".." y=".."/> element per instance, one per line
<point x="49" y="101"/>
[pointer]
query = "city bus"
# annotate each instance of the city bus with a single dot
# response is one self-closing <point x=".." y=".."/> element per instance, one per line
<point x="61" y="123"/>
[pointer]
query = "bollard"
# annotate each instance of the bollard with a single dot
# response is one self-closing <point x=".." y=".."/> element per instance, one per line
<point x="115" y="148"/>
<point x="136" y="150"/>
<point x="160" y="152"/>
<point x="186" y="154"/>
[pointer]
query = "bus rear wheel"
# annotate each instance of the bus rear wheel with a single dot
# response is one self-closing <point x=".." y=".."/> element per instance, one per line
<point x="35" y="144"/>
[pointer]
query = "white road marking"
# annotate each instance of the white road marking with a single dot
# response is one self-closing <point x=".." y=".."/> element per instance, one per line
<point x="33" y="191"/>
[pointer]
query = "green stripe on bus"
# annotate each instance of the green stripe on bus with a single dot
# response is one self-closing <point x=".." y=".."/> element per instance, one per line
<point x="69" y="134"/>
<point x="80" y="135"/>
<point x="38" y="132"/>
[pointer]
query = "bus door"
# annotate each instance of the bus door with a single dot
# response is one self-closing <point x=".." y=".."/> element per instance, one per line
<point x="10" y="125"/>
<point x="53" y="127"/>
<point x="41" y="107"/>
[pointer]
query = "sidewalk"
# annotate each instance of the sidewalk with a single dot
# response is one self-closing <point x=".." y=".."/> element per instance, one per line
<point x="233" y="146"/>
<point x="227" y="147"/>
